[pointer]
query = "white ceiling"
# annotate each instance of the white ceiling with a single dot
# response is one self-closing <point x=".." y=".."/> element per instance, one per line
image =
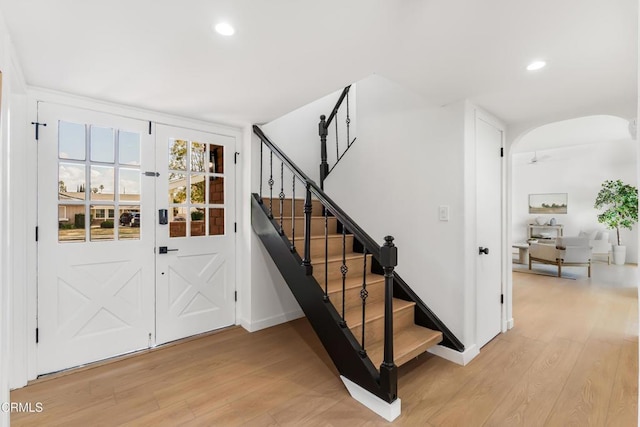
<point x="162" y="55"/>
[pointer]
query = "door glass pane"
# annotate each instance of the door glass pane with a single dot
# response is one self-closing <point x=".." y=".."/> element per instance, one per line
<point x="101" y="225"/>
<point x="129" y="148"/>
<point x="197" y="222"/>
<point x="178" y="221"/>
<point x="216" y="190"/>
<point x="216" y="222"/>
<point x="198" y="157"/>
<point x="101" y="182"/>
<point x="71" y="181"/>
<point x="71" y="141"/>
<point x="71" y="223"/>
<point x="178" y="154"/>
<point x="177" y="188"/>
<point x="216" y="159"/>
<point x="129" y="223"/>
<point x="102" y="144"/>
<point x="198" y="189"/>
<point x="129" y="184"/>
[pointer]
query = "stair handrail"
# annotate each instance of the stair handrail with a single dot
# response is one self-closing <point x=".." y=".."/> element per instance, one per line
<point x="367" y="241"/>
<point x="323" y="131"/>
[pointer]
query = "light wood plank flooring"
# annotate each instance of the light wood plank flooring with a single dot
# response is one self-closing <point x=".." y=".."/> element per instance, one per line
<point x="571" y="359"/>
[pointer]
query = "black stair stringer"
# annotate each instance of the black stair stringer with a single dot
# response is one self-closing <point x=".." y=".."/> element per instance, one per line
<point x="339" y="343"/>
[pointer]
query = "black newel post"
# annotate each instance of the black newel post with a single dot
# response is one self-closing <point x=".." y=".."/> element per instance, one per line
<point x="324" y="166"/>
<point x="306" y="261"/>
<point x="388" y="369"/>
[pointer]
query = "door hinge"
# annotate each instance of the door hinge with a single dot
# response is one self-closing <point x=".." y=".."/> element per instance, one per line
<point x="235" y="295"/>
<point x="501" y="298"/>
<point x="37" y="335"/>
<point x="36" y="233"/>
<point x="235" y="157"/>
<point x="37" y="125"/>
<point x="501" y="152"/>
<point x="235" y="227"/>
<point x="149" y="127"/>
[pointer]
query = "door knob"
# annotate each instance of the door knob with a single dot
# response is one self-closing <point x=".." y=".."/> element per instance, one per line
<point x="482" y="250"/>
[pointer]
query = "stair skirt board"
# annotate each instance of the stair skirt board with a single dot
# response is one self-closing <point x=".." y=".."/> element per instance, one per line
<point x="388" y="411"/>
<point x="459" y="358"/>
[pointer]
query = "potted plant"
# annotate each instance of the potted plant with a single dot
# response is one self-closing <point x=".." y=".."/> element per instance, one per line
<point x="620" y="201"/>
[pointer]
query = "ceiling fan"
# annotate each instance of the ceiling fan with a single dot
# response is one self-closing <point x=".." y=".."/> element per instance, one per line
<point x="535" y="159"/>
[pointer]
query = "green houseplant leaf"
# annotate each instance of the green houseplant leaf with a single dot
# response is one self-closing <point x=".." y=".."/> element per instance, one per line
<point x="620" y="202"/>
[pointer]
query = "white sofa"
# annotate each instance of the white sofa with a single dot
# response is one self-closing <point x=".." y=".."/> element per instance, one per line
<point x="567" y="251"/>
<point x="599" y="241"/>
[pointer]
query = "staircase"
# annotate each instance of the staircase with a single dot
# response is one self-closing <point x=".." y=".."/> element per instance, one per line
<point x="409" y="339"/>
<point x="368" y="319"/>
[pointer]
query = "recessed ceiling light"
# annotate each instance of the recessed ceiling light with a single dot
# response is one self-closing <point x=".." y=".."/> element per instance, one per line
<point x="536" y="65"/>
<point x="224" y="29"/>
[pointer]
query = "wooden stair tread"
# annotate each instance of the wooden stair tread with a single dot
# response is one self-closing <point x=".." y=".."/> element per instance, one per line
<point x="407" y="344"/>
<point x="338" y="258"/>
<point x="374" y="311"/>
<point x="321" y="237"/>
<point x="335" y="285"/>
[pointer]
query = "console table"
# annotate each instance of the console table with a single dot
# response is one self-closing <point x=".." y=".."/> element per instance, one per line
<point x="533" y="230"/>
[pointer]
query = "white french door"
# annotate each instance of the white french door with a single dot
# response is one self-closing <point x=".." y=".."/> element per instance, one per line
<point x="104" y="288"/>
<point x="95" y="274"/>
<point x="195" y="260"/>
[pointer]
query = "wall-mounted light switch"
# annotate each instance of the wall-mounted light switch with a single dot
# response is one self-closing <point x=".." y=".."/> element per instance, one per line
<point x="443" y="213"/>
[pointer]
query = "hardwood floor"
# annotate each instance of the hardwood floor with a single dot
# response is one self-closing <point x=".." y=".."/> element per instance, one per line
<point x="571" y="359"/>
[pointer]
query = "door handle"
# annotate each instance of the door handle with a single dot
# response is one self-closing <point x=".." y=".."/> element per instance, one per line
<point x="482" y="250"/>
<point x="164" y="250"/>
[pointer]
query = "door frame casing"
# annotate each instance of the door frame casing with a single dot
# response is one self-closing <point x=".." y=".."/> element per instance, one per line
<point x="26" y="367"/>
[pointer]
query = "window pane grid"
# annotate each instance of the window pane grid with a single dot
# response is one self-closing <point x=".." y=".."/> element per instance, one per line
<point x="97" y="161"/>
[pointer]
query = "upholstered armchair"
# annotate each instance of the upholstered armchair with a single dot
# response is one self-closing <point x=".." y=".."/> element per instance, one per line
<point x="599" y="242"/>
<point x="567" y="251"/>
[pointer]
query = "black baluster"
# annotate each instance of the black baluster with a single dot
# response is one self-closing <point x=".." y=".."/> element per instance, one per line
<point x="324" y="166"/>
<point x="281" y="196"/>
<point x="344" y="270"/>
<point x="261" y="177"/>
<point x="271" y="184"/>
<point x="293" y="215"/>
<point x="348" y="121"/>
<point x="337" y="149"/>
<point x="326" y="254"/>
<point x="306" y="261"/>
<point x="363" y="295"/>
<point x="388" y="369"/>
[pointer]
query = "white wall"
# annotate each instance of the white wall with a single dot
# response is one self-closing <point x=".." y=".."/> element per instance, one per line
<point x="271" y="300"/>
<point x="14" y="213"/>
<point x="408" y="160"/>
<point x="578" y="170"/>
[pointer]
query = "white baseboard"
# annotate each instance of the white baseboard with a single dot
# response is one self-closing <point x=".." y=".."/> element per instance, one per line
<point x="510" y="324"/>
<point x="388" y="411"/>
<point x="273" y="321"/>
<point x="460" y="358"/>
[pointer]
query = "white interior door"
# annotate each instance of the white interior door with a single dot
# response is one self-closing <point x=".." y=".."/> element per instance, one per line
<point x="195" y="256"/>
<point x="95" y="272"/>
<point x="489" y="230"/>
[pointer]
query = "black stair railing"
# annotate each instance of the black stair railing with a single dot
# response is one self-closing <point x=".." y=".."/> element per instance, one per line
<point x="314" y="297"/>
<point x="323" y="131"/>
